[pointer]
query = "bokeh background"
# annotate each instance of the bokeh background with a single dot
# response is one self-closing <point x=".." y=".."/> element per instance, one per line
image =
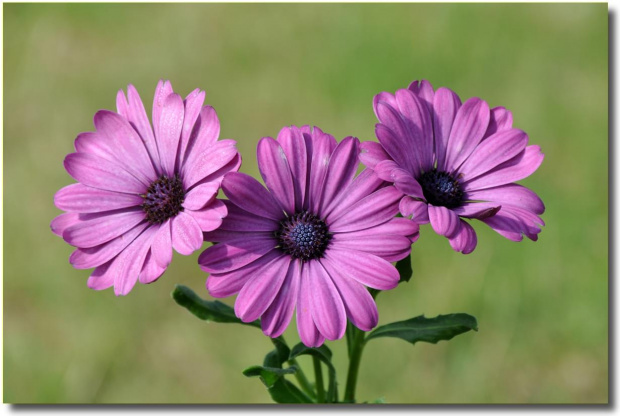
<point x="542" y="307"/>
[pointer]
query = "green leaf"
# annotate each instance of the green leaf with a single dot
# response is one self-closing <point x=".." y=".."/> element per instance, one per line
<point x="324" y="354"/>
<point x="283" y="391"/>
<point x="440" y="328"/>
<point x="278" y="356"/>
<point x="213" y="311"/>
<point x="268" y="375"/>
<point x="404" y="269"/>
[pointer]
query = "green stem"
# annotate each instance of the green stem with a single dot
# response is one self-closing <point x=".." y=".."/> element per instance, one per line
<point x="318" y="377"/>
<point x="305" y="385"/>
<point x="356" y="347"/>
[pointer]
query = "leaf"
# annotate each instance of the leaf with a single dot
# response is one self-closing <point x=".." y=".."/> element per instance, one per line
<point x="404" y="269"/>
<point x="268" y="375"/>
<point x="324" y="354"/>
<point x="433" y="330"/>
<point x="283" y="391"/>
<point x="278" y="356"/>
<point x="213" y="311"/>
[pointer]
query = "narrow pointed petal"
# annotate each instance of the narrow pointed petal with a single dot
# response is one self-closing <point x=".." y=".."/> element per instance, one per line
<point x="308" y="332"/>
<point x="372" y="210"/>
<point x="274" y="168"/>
<point x="478" y="210"/>
<point x="443" y="220"/>
<point x="163" y="90"/>
<point x="470" y="124"/>
<point x="100" y="279"/>
<point x="394" y="137"/>
<point x="414" y="209"/>
<point x="384" y="97"/>
<point x="186" y="234"/>
<point x="465" y="240"/>
<point x="204" y="134"/>
<point x="122" y="107"/>
<point x="364" y="184"/>
<point x="328" y="312"/>
<point x="292" y="141"/>
<point x="238" y="219"/>
<point x="80" y="198"/>
<point x="162" y="245"/>
<point x="151" y="270"/>
<point x="170" y="126"/>
<point x="129" y="263"/>
<point x="248" y="194"/>
<point x="64" y="221"/>
<point x="200" y="167"/>
<point x="139" y="120"/>
<point x="323" y="146"/>
<point x="372" y="153"/>
<point x="99" y="228"/>
<point x="231" y="283"/>
<point x="340" y="172"/>
<point x="368" y="269"/>
<point x="276" y="318"/>
<point x="446" y="104"/>
<point x="415" y="113"/>
<point x="424" y="91"/>
<point x="501" y="119"/>
<point x="511" y="194"/>
<point x="192" y="107"/>
<point x="91" y="170"/>
<point x="385" y="246"/>
<point x="225" y="257"/>
<point x="94" y="143"/>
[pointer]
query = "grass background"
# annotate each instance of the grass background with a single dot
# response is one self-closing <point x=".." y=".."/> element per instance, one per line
<point x="542" y="307"/>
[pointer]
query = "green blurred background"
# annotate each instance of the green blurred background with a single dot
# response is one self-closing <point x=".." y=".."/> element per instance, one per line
<point x="542" y="307"/>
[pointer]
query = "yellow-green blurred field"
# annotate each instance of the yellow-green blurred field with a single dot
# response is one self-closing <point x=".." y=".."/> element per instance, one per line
<point x="542" y="307"/>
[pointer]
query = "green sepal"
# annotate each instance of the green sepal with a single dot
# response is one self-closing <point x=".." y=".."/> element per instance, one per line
<point x="268" y="375"/>
<point x="212" y="311"/>
<point x="433" y="330"/>
<point x="324" y="354"/>
<point x="404" y="269"/>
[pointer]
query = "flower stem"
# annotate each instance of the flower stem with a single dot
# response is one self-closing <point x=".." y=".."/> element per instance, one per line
<point x="318" y="376"/>
<point x="356" y="347"/>
<point x="305" y="385"/>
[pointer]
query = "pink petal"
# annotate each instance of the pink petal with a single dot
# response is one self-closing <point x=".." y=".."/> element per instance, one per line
<point x="364" y="184"/>
<point x="128" y="264"/>
<point x="443" y="220"/>
<point x="205" y="133"/>
<point x="100" y="279"/>
<point x="186" y="234"/>
<point x="151" y="271"/>
<point x="415" y="209"/>
<point x="248" y="194"/>
<point x="501" y="119"/>
<point x="517" y="168"/>
<point x="370" y="211"/>
<point x="495" y="150"/>
<point x="396" y="139"/>
<point x="169" y="133"/>
<point x="224" y="257"/>
<point x="192" y="108"/>
<point x="81" y="198"/>
<point x="385" y="246"/>
<point x="478" y="210"/>
<point x="394" y="227"/>
<point x="163" y="90"/>
<point x="97" y="229"/>
<point x="402" y="180"/>
<point x="278" y="315"/>
<point x="359" y="305"/>
<point x="259" y="292"/>
<point x="99" y="173"/>
<point x="416" y="116"/>
<point x="95" y="143"/>
<point x="86" y="258"/>
<point x="139" y="120"/>
<point x="161" y="248"/>
<point x="465" y="240"/>
<point x="292" y="141"/>
<point x="384" y="97"/>
<point x="446" y="104"/>
<point x="308" y="332"/>
<point x="328" y="312"/>
<point x="340" y="172"/>
<point x="274" y="168"/>
<point x="210" y="217"/>
<point x="512" y="222"/>
<point x="470" y="124"/>
<point x="323" y="146"/>
<point x="511" y="194"/>
<point x="64" y="221"/>
<point x="122" y="107"/>
<point x="241" y="220"/>
<point x="368" y="269"/>
<point x="230" y="283"/>
<point x="200" y="195"/>
<point x="423" y="90"/>
<point x="198" y="167"/>
<point x="372" y="153"/>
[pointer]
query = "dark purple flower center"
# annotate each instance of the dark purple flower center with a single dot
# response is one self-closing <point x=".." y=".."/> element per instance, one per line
<point x="440" y="189"/>
<point x="303" y="236"/>
<point x="163" y="199"/>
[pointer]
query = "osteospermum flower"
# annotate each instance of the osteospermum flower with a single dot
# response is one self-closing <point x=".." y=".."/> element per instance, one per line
<point x="311" y="242"/>
<point x="455" y="162"/>
<point x="143" y="191"/>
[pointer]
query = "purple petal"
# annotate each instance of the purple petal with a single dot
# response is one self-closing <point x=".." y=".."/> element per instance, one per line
<point x="501" y="119"/>
<point x="199" y="167"/>
<point x="64" y="221"/>
<point x="192" y="107"/>
<point x="517" y="168"/>
<point x="224" y="257"/>
<point x="446" y="104"/>
<point x="210" y="217"/>
<point x="122" y="107"/>
<point x="359" y="305"/>
<point x="384" y="97"/>
<point x="414" y="209"/>
<point x="151" y="271"/>
<point x="163" y="90"/>
<point x="308" y="332"/>
<point x="274" y="168"/>
<point x="100" y="279"/>
<point x="385" y="246"/>
<point x="278" y="315"/>
<point x="230" y="283"/>
<point x="511" y="194"/>
<point x="368" y="269"/>
<point x="99" y="173"/>
<point x="394" y="227"/>
<point x="372" y="153"/>
<point x="292" y="141"/>
<point x="95" y="143"/>
<point x="259" y="292"/>
<point x="248" y="194"/>
<point x="186" y="234"/>
<point x="402" y="180"/>
<point x="169" y="133"/>
<point x="478" y="210"/>
<point x="80" y="198"/>
<point x="443" y="220"/>
<point x="241" y="220"/>
<point x="139" y="120"/>
<point x="423" y="90"/>
<point x="512" y="222"/>
<point x="470" y="124"/>
<point x="200" y="195"/>
<point x="126" y="145"/>
<point x="495" y="150"/>
<point x="372" y="210"/>
<point x="416" y="116"/>
<point x="162" y="245"/>
<point x="323" y="146"/>
<point x="128" y="264"/>
<point x="396" y="139"/>
<point x="86" y="258"/>
<point x="340" y="172"/>
<point x="98" y="229"/>
<point x="328" y="312"/>
<point x="364" y="184"/>
<point x="205" y="133"/>
<point x="465" y="240"/>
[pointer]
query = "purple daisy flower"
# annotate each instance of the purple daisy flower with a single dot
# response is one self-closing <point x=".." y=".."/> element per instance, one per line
<point x="455" y="162"/>
<point x="142" y="192"/>
<point x="311" y="242"/>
